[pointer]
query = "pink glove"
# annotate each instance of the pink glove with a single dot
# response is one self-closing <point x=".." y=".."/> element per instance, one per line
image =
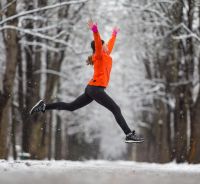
<point x="115" y="31"/>
<point x="94" y="28"/>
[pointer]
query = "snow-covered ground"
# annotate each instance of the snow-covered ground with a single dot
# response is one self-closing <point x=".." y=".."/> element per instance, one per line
<point x="96" y="172"/>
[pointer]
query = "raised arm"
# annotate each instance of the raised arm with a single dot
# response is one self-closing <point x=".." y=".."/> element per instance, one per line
<point x="111" y="42"/>
<point x="97" y="38"/>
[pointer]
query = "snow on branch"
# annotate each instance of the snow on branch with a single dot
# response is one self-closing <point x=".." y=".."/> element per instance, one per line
<point x="149" y="4"/>
<point x="181" y="83"/>
<point x="156" y="2"/>
<point x="57" y="5"/>
<point x="61" y="33"/>
<point x="43" y="45"/>
<point x="181" y="37"/>
<point x="46" y="28"/>
<point x="174" y="29"/>
<point x="190" y="32"/>
<point x="34" y="18"/>
<point x="182" y="25"/>
<point x="53" y="72"/>
<point x="42" y="36"/>
<point x="159" y="14"/>
<point x="43" y="29"/>
<point x="148" y="8"/>
<point x="7" y="5"/>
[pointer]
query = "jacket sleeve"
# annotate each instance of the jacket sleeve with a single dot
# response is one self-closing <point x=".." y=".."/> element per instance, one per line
<point x="111" y="43"/>
<point x="98" y="44"/>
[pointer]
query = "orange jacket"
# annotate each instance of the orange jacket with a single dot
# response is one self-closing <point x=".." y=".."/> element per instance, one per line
<point x="102" y="61"/>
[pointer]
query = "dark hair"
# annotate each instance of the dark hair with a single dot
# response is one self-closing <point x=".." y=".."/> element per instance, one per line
<point x="93" y="45"/>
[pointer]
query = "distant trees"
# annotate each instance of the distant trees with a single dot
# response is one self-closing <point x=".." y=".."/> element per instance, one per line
<point x="38" y="47"/>
<point x="33" y="51"/>
<point x="47" y="36"/>
<point x="171" y="29"/>
<point x="193" y="56"/>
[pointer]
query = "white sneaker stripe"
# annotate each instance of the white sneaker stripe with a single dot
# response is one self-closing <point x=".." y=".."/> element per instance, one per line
<point x="35" y="106"/>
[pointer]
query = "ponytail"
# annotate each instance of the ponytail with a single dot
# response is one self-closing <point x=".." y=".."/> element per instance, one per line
<point x="89" y="60"/>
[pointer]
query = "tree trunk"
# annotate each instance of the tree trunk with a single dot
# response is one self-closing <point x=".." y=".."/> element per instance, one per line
<point x="161" y="128"/>
<point x="50" y="137"/>
<point x="29" y="96"/>
<point x="10" y="41"/>
<point x="181" y="125"/>
<point x="146" y="151"/>
<point x="149" y="145"/>
<point x="34" y="127"/>
<point x="58" y="140"/>
<point x="40" y="124"/>
<point x="13" y="132"/>
<point x="180" y="91"/>
<point x="194" y="151"/>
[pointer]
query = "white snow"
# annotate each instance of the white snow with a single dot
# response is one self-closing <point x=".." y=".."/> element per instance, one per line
<point x="98" y="172"/>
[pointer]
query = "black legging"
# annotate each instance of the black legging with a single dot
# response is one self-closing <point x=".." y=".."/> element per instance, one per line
<point x="98" y="94"/>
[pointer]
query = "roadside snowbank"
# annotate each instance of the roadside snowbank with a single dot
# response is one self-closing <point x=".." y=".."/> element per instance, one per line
<point x="98" y="172"/>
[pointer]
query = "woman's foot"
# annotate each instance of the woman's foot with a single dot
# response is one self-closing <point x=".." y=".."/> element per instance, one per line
<point x="133" y="138"/>
<point x="38" y="107"/>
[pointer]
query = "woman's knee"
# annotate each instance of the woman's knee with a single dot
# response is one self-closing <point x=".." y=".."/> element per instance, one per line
<point x="116" y="109"/>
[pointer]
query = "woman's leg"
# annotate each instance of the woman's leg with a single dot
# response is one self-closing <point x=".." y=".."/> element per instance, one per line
<point x="79" y="102"/>
<point x="99" y="95"/>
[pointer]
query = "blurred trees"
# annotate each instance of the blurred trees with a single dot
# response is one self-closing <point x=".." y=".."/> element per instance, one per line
<point x="171" y="61"/>
<point x="194" y="57"/>
<point x="40" y="58"/>
<point x="36" y="49"/>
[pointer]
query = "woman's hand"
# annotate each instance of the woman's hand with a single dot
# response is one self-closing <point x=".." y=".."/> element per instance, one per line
<point x="92" y="26"/>
<point x="115" y="31"/>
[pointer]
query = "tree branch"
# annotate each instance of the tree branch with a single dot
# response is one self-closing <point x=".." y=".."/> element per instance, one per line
<point x="182" y="25"/>
<point x="43" y="45"/>
<point x="7" y="5"/>
<point x="42" y="36"/>
<point x="53" y="72"/>
<point x="186" y="36"/>
<point x="40" y="9"/>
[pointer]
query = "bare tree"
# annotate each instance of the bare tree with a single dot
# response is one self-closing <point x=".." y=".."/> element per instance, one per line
<point x="10" y="41"/>
<point x="195" y="124"/>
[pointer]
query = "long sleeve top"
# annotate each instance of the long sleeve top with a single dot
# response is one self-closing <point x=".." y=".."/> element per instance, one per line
<point x="102" y="61"/>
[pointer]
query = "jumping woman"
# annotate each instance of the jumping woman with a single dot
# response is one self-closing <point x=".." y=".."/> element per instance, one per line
<point x="95" y="90"/>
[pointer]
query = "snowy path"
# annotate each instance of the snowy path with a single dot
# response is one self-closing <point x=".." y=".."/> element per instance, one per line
<point x="96" y="172"/>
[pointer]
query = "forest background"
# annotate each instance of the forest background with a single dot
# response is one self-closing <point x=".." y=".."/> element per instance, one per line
<point x="155" y="79"/>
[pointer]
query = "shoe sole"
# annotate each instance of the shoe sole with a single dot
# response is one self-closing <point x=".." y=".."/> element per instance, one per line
<point x="130" y="141"/>
<point x="31" y="111"/>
